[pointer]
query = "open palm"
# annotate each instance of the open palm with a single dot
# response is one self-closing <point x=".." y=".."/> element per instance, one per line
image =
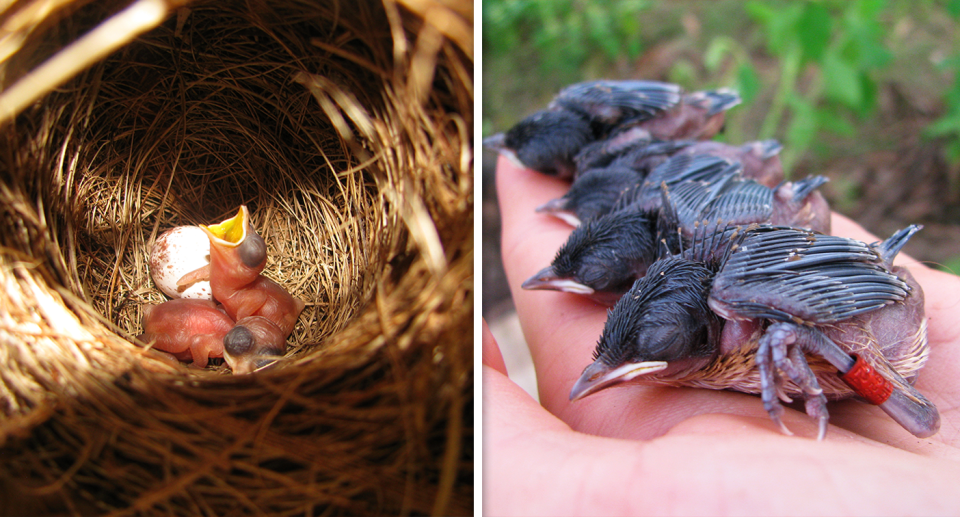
<point x="645" y="449"/>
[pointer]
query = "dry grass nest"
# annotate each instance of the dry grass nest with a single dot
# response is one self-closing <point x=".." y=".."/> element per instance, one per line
<point x="346" y="128"/>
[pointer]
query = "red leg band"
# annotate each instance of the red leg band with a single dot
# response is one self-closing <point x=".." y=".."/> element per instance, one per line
<point x="867" y="382"/>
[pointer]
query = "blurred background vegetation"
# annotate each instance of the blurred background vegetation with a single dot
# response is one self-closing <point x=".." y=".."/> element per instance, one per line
<point x="866" y="92"/>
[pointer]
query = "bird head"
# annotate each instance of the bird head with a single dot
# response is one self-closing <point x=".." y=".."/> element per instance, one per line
<point x="253" y="344"/>
<point x="592" y="194"/>
<point x="236" y="250"/>
<point x="601" y="258"/>
<point x="661" y="328"/>
<point x="546" y="142"/>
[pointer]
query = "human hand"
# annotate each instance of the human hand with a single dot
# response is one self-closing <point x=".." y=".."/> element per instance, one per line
<point x="648" y="449"/>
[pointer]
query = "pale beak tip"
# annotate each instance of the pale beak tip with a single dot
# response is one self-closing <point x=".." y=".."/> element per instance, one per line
<point x="495" y="142"/>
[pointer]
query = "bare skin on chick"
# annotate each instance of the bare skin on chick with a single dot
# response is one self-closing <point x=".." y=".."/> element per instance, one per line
<point x="186" y="329"/>
<point x="265" y="313"/>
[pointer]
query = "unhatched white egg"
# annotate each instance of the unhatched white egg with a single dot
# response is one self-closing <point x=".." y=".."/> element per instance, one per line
<point x="176" y="253"/>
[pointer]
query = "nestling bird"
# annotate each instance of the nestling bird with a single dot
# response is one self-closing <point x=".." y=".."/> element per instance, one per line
<point x="186" y="328"/>
<point x="600" y="191"/>
<point x="592" y="194"/>
<point x="603" y="257"/>
<point x="548" y="140"/>
<point x="780" y="312"/>
<point x="265" y="313"/>
<point x="733" y="201"/>
<point x="660" y="108"/>
<point x="760" y="160"/>
<point x="629" y="149"/>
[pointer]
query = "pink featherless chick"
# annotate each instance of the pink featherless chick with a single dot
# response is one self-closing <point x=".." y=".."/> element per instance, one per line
<point x="186" y="329"/>
<point x="265" y="313"/>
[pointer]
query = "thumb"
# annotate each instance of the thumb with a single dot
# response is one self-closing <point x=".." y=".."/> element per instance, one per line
<point x="491" y="351"/>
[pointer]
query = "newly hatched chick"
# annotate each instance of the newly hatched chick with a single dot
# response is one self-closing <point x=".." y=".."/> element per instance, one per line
<point x="265" y="313"/>
<point x="548" y="141"/>
<point x="782" y="310"/>
<point x="187" y="329"/>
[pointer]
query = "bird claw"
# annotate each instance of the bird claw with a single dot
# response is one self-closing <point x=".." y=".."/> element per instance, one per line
<point x="781" y="425"/>
<point x="780" y="351"/>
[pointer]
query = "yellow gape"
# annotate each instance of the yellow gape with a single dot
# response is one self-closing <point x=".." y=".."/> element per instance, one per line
<point x="232" y="230"/>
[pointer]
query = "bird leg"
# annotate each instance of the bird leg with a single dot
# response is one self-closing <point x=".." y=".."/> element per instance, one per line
<point x="782" y="348"/>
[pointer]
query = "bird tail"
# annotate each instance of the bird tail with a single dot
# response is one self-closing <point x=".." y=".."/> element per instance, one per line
<point x="770" y="148"/>
<point x="803" y="188"/>
<point x="719" y="100"/>
<point x="889" y="248"/>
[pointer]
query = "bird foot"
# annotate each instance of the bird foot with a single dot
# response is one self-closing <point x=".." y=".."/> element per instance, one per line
<point x="782" y="350"/>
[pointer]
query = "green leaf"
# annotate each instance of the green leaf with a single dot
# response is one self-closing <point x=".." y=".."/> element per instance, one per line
<point x="761" y="12"/>
<point x="803" y="125"/>
<point x="952" y="265"/>
<point x="748" y="82"/>
<point x="628" y="26"/>
<point x="870" y="9"/>
<point x="841" y="81"/>
<point x="782" y="29"/>
<point x="869" y="102"/>
<point x="718" y="49"/>
<point x="831" y="121"/>
<point x="601" y="30"/>
<point x="946" y="125"/>
<point x="814" y="27"/>
<point x="953" y="7"/>
<point x="953" y="151"/>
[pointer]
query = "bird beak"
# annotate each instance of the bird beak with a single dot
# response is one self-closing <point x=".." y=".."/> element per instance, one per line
<point x="233" y="231"/>
<point x="495" y="142"/>
<point x="558" y="208"/>
<point x="498" y="143"/>
<point x="599" y="376"/>
<point x="244" y="364"/>
<point x="547" y="279"/>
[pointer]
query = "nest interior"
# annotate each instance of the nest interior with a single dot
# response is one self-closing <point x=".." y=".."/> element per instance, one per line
<point x="346" y="129"/>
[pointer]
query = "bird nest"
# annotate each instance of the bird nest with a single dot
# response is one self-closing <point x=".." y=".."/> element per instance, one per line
<point x="346" y="128"/>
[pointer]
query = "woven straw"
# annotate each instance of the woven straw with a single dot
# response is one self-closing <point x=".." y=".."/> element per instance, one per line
<point x="346" y="128"/>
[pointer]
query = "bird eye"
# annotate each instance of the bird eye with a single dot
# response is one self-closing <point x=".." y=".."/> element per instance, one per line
<point x="239" y="340"/>
<point x="593" y="275"/>
<point x="670" y="339"/>
<point x="253" y="250"/>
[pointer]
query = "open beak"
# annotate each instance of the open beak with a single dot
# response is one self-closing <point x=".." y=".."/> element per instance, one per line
<point x="232" y="232"/>
<point x="548" y="280"/>
<point x="599" y="376"/>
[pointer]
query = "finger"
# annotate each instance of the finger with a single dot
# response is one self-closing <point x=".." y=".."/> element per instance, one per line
<point x="535" y="465"/>
<point x="491" y="350"/>
<point x="561" y="329"/>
